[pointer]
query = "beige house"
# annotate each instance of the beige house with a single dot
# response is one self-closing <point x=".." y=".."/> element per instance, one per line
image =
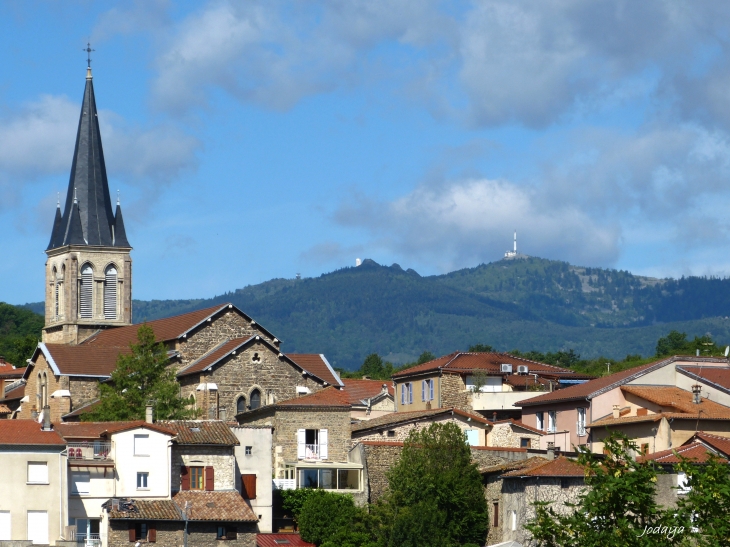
<point x="254" y="471"/>
<point x="34" y="507"/>
<point x="369" y="398"/>
<point x="488" y="383"/>
<point x="564" y="414"/>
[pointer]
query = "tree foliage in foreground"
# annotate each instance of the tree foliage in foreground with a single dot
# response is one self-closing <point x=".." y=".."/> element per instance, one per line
<point x="141" y="377"/>
<point x="332" y="520"/>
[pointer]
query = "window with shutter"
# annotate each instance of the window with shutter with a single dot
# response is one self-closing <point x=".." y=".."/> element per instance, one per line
<point x="184" y="478"/>
<point x="430" y="390"/>
<point x="248" y="487"/>
<point x="152" y="534"/>
<point x="132" y="532"/>
<point x="301" y="443"/>
<point x="403" y="394"/>
<point x="423" y="390"/>
<point x="38" y="472"/>
<point x="110" y="293"/>
<point x="86" y="292"/>
<point x="209" y="478"/>
<point x="323" y="444"/>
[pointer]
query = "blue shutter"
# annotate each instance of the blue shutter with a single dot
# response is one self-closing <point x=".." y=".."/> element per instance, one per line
<point x="423" y="390"/>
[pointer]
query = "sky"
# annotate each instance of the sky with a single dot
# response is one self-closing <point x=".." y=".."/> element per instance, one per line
<point x="257" y="140"/>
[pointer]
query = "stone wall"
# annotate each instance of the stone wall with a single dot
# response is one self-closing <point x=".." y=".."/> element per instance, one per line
<point x="510" y="435"/>
<point x="400" y="432"/>
<point x="203" y="534"/>
<point x="59" y="405"/>
<point x="169" y="534"/>
<point x="379" y="459"/>
<point x="221" y="458"/>
<point x="82" y="390"/>
<point x="454" y="393"/>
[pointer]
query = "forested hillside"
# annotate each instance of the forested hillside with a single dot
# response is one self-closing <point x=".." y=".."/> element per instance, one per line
<point x="530" y="304"/>
<point x="20" y="331"/>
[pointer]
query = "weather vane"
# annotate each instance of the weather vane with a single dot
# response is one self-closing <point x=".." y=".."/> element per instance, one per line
<point x="88" y="51"/>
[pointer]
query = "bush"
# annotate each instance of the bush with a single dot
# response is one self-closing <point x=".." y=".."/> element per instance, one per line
<point x="330" y="519"/>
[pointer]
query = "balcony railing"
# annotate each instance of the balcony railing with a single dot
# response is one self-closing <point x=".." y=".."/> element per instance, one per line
<point x="285" y="484"/>
<point x="88" y="540"/>
<point x="93" y="450"/>
<point x="311" y="451"/>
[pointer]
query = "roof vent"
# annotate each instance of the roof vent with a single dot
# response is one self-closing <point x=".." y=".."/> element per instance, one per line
<point x="522" y="369"/>
<point x="504" y="367"/>
<point x="195" y="430"/>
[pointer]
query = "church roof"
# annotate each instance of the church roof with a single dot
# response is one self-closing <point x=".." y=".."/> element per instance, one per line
<point x="88" y="218"/>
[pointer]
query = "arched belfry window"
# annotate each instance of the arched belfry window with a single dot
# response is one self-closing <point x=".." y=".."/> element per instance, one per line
<point x="56" y="303"/>
<point x="110" y="293"/>
<point x="241" y="405"/>
<point x="86" y="292"/>
<point x="255" y="399"/>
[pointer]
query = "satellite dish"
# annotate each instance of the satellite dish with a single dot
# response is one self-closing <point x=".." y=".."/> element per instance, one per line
<point x="727" y="350"/>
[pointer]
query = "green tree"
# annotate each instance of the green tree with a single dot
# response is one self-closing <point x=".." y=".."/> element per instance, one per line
<point x="435" y="496"/>
<point x="481" y="348"/>
<point x="425" y="357"/>
<point x="141" y="377"/>
<point x="332" y="520"/>
<point x="673" y="343"/>
<point x="615" y="510"/>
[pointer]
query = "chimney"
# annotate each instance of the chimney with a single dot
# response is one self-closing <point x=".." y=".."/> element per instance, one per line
<point x="148" y="416"/>
<point x="366" y="377"/>
<point x="222" y="414"/>
<point x="47" y="418"/>
<point x="697" y="394"/>
<point x="428" y="405"/>
<point x="494" y="416"/>
<point x="550" y="450"/>
<point x="384" y="389"/>
<point x="616" y="411"/>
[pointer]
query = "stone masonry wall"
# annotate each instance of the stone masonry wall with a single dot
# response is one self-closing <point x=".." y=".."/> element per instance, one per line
<point x="203" y="534"/>
<point x="402" y="431"/>
<point x="83" y="391"/>
<point x="169" y="534"/>
<point x="221" y="458"/>
<point x="59" y="405"/>
<point x="509" y="435"/>
<point x="493" y="494"/>
<point x="380" y="458"/>
<point x="454" y="393"/>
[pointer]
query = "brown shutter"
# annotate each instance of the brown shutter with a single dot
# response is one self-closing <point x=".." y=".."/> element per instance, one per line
<point x="132" y="532"/>
<point x="151" y="533"/>
<point x="231" y="533"/>
<point x="184" y="478"/>
<point x="248" y="484"/>
<point x="495" y="520"/>
<point x="209" y="480"/>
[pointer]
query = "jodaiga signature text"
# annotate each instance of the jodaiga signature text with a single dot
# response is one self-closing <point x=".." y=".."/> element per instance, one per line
<point x="668" y="531"/>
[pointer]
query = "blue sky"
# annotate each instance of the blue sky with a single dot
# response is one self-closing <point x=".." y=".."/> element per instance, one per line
<point x="253" y="140"/>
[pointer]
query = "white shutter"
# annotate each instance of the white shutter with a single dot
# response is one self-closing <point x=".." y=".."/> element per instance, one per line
<point x="38" y="527"/>
<point x="423" y="390"/>
<point x="410" y="393"/>
<point x="403" y="394"/>
<point x="323" y="444"/>
<point x="86" y="292"/>
<point x="4" y="525"/>
<point x="38" y="472"/>
<point x="110" y="293"/>
<point x="301" y="443"/>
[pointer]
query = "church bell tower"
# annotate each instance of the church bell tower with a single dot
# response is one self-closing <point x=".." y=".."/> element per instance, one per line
<point x="89" y="268"/>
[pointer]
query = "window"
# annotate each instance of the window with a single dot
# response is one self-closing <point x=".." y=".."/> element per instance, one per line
<point x="142" y="531"/>
<point x="37" y="473"/>
<point x="524" y="442"/>
<point x="241" y="405"/>
<point x="564" y="482"/>
<point x="312" y="444"/>
<point x="495" y="515"/>
<point x="248" y="486"/>
<point x="110" y="293"/>
<point x="406" y="394"/>
<point x="141" y="445"/>
<point x="581" y="422"/>
<point x="249" y="450"/>
<point x="142" y="481"/>
<point x="472" y="437"/>
<point x="514" y="519"/>
<point x="86" y="292"/>
<point x="540" y="418"/>
<point x="255" y="399"/>
<point x="330" y="478"/>
<point x="197" y="478"/>
<point x="551" y="421"/>
<point x="225" y="531"/>
<point x="80" y="482"/>
<point x="391" y="433"/>
<point x="427" y="390"/>
<point x="38" y="527"/>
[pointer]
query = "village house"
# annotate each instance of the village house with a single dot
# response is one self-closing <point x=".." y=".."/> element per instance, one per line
<point x="511" y="433"/>
<point x="369" y="398"/>
<point x="34" y="504"/>
<point x="490" y="384"/>
<point x="254" y="471"/>
<point x="564" y="415"/>
<point x="9" y="379"/>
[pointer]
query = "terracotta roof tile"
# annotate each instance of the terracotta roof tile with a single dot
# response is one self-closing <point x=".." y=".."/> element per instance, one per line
<point x="329" y="397"/>
<point x="512" y="465"/>
<point x="143" y="510"/>
<point x="10" y="373"/>
<point x="317" y="364"/>
<point x="281" y="540"/>
<point x="201" y="432"/>
<point x="83" y="409"/>
<point x="674" y="399"/>
<point x="225" y="506"/>
<point x="396" y="418"/>
<point x="721" y="444"/>
<point x="559" y="467"/>
<point x="489" y="362"/>
<point x="27" y="432"/>
<point x="5" y="409"/>
<point x="697" y="452"/>
<point x="82" y="360"/>
<point x="720" y="376"/>
<point x="15" y="393"/>
<point x="359" y="390"/>
<point x="97" y="430"/>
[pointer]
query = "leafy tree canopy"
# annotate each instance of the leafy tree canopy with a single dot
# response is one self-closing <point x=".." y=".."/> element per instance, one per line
<point x="481" y="348"/>
<point x="332" y="520"/>
<point x="141" y="377"/>
<point x="676" y="343"/>
<point x="20" y="331"/>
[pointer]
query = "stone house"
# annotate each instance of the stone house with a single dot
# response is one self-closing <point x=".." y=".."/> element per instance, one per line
<point x="311" y="440"/>
<point x="9" y="379"/>
<point x="207" y="518"/>
<point x="511" y="433"/>
<point x="369" y="398"/>
<point x="486" y="383"/>
<point x="34" y="507"/>
<point x="254" y="471"/>
<point x="397" y="426"/>
<point x="565" y="414"/>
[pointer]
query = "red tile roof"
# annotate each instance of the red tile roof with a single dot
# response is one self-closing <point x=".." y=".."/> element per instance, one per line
<point x="559" y="467"/>
<point x="27" y="432"/>
<point x="329" y="397"/>
<point x="5" y="409"/>
<point x="697" y="452"/>
<point x="359" y="390"/>
<point x="82" y="360"/>
<point x="317" y="364"/>
<point x="221" y="506"/>
<point x="719" y="376"/>
<point x="80" y="411"/>
<point x="97" y="430"/>
<point x="459" y="362"/>
<point x="281" y="540"/>
<point x="201" y="432"/>
<point x="674" y="399"/>
<point x="15" y="393"/>
<point x="8" y="371"/>
<point x="721" y="444"/>
<point x="397" y="418"/>
<point x="144" y="510"/>
<point x="512" y="465"/>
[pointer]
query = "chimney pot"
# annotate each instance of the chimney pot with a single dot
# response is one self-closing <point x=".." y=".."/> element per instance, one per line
<point x="47" y="418"/>
<point x="148" y="416"/>
<point x="616" y="411"/>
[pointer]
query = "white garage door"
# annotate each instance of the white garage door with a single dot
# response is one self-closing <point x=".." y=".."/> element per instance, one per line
<point x="38" y="527"/>
<point x="4" y="525"/>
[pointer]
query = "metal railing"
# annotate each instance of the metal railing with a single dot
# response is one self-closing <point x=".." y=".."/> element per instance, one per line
<point x="93" y="450"/>
<point x="88" y="540"/>
<point x="285" y="484"/>
<point x="311" y="451"/>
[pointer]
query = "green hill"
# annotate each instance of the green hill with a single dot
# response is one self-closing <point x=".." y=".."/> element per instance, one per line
<point x="510" y="304"/>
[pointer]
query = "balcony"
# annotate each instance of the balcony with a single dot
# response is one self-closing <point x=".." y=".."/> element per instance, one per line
<point x="311" y="451"/>
<point x="88" y="540"/>
<point x="90" y="454"/>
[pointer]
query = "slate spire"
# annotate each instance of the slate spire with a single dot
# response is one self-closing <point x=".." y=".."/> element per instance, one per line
<point x="57" y="233"/>
<point x="88" y="204"/>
